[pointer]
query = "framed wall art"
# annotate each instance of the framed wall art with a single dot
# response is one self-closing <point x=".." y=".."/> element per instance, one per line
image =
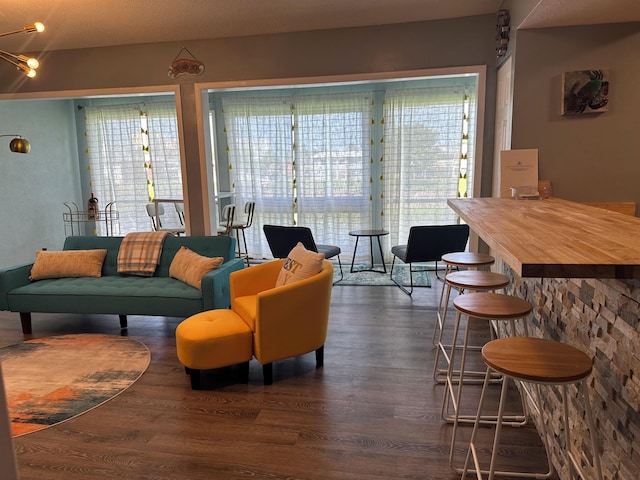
<point x="585" y="91"/>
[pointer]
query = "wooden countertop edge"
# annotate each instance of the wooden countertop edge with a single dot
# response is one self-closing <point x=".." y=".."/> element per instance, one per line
<point x="531" y="269"/>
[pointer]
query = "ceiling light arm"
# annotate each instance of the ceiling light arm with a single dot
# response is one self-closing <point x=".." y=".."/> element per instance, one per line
<point x="30" y="61"/>
<point x="25" y="64"/>
<point x="33" y="28"/>
<point x="23" y="67"/>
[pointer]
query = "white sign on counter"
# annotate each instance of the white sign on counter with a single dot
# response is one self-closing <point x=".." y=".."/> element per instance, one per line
<point x="518" y="168"/>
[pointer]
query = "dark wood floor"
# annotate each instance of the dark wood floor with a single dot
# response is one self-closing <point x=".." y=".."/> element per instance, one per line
<point x="372" y="412"/>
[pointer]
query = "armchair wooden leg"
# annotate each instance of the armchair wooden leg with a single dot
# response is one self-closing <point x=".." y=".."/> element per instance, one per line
<point x="123" y="321"/>
<point x="244" y="371"/>
<point x="320" y="357"/>
<point x="267" y="373"/>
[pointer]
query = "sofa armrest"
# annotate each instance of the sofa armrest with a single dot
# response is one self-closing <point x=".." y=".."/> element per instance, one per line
<point x="11" y="278"/>
<point x="215" y="285"/>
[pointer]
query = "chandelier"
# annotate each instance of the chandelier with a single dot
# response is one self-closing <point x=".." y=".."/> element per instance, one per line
<point x="26" y="65"/>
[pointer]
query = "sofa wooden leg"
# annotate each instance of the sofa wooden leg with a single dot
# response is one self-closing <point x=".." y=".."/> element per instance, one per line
<point x="123" y="321"/>
<point x="267" y="373"/>
<point x="195" y="378"/>
<point x="25" y="319"/>
<point x="320" y="357"/>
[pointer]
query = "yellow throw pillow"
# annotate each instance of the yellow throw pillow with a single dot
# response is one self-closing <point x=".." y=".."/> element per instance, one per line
<point x="300" y="264"/>
<point x="67" y="263"/>
<point x="189" y="267"/>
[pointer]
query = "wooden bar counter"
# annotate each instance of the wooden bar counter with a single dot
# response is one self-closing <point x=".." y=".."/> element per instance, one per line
<point x="556" y="238"/>
<point x="579" y="266"/>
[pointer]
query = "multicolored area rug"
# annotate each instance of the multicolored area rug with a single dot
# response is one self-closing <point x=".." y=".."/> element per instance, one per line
<point x="400" y="273"/>
<point x="50" y="380"/>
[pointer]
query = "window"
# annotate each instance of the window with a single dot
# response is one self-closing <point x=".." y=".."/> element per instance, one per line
<point x="332" y="152"/>
<point x="304" y="159"/>
<point x="335" y="159"/>
<point x="427" y="159"/>
<point x="134" y="157"/>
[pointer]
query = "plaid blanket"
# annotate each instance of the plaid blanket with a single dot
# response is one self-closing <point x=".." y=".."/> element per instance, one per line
<point x="139" y="253"/>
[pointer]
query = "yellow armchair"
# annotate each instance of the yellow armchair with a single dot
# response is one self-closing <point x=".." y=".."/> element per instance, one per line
<point x="286" y="321"/>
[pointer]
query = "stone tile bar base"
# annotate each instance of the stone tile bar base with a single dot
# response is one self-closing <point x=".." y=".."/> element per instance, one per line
<point x="600" y="317"/>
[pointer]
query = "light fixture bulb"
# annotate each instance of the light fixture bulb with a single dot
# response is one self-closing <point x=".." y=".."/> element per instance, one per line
<point x="34" y="27"/>
<point x="30" y="61"/>
<point x="29" y="72"/>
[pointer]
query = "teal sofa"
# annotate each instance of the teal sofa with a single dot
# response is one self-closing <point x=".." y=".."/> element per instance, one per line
<point x="123" y="295"/>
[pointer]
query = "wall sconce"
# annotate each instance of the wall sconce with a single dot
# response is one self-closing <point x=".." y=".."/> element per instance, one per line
<point x="18" y="144"/>
<point x="502" y="33"/>
<point x="26" y="65"/>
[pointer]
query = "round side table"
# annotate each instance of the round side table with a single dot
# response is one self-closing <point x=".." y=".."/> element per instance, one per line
<point x="371" y="234"/>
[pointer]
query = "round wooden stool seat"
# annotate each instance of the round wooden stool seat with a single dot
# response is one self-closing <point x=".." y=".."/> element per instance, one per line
<point x="537" y="360"/>
<point x="468" y="259"/>
<point x="492" y="305"/>
<point x="477" y="280"/>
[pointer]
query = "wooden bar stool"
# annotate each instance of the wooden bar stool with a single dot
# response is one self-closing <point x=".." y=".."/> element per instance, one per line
<point x="536" y="361"/>
<point x="455" y="261"/>
<point x="485" y="307"/>
<point x="463" y="280"/>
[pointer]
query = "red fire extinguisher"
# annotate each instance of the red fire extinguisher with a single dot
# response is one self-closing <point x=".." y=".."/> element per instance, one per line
<point x="92" y="208"/>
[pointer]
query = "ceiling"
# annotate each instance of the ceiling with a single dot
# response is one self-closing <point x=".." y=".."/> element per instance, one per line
<point x="74" y="24"/>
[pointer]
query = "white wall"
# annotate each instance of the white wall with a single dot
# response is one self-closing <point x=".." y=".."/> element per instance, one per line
<point x="34" y="186"/>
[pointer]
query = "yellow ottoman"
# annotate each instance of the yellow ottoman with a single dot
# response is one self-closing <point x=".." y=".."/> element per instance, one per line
<point x="213" y="339"/>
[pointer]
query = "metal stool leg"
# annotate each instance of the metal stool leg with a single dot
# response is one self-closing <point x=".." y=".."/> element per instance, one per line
<point x="472" y="452"/>
<point x="463" y="283"/>
<point x="457" y="418"/>
<point x="441" y="313"/>
<point x="439" y="325"/>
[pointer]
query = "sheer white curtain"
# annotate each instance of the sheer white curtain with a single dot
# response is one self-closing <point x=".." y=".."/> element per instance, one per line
<point x="387" y="158"/>
<point x="259" y="147"/>
<point x="116" y="161"/>
<point x="304" y="160"/>
<point x="332" y="151"/>
<point x="164" y="156"/>
<point x="133" y="155"/>
<point x="164" y="149"/>
<point x="426" y="156"/>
